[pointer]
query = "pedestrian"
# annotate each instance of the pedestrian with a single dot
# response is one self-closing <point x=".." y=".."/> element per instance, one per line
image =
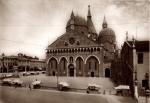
<point x="29" y="86"/>
<point x="104" y="92"/>
<point x="15" y="85"/>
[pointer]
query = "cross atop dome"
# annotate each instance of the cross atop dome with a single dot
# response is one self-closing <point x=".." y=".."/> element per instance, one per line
<point x="104" y="25"/>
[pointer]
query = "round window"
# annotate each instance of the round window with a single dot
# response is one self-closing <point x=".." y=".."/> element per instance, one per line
<point x="71" y="40"/>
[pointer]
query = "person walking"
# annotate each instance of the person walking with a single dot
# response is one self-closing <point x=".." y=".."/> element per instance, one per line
<point x="30" y="87"/>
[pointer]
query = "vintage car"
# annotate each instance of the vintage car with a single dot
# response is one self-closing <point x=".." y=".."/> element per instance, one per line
<point x="63" y="86"/>
<point x="147" y="92"/>
<point x="123" y="90"/>
<point x="36" y="84"/>
<point x="17" y="82"/>
<point x="25" y="73"/>
<point x="7" y="82"/>
<point x="93" y="88"/>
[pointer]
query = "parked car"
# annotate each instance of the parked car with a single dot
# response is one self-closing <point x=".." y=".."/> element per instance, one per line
<point x="147" y="92"/>
<point x="17" y="82"/>
<point x="63" y="86"/>
<point x="43" y="72"/>
<point x="32" y="73"/>
<point x="36" y="84"/>
<point x="25" y="73"/>
<point x="122" y="90"/>
<point x="7" y="82"/>
<point x="93" y="88"/>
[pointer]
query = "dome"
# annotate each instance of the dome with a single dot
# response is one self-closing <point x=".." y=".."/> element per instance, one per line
<point x="105" y="35"/>
<point x="80" y="21"/>
<point x="107" y="31"/>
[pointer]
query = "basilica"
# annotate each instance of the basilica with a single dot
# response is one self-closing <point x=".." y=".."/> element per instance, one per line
<point x="81" y="51"/>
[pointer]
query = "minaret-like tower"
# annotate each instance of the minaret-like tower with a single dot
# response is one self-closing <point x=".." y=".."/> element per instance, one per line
<point x="91" y="29"/>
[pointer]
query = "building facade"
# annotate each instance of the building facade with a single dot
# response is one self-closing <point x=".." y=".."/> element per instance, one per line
<point x="23" y="62"/>
<point x="133" y="66"/>
<point x="80" y="51"/>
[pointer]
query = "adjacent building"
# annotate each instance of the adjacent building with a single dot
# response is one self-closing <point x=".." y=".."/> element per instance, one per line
<point x="22" y="61"/>
<point x="133" y="65"/>
<point x="80" y="51"/>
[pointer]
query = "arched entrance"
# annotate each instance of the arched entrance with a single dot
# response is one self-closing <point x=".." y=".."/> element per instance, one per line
<point x="53" y="73"/>
<point x="92" y="66"/>
<point x="52" y="66"/>
<point x="107" y="72"/>
<point x="71" y="70"/>
<point x="92" y="74"/>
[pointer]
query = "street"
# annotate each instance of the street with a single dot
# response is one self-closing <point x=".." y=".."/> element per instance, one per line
<point x="24" y="95"/>
<point x="78" y="82"/>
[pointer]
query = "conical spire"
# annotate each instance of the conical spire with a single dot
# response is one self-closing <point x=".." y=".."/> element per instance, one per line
<point x="90" y="24"/>
<point x="72" y="14"/>
<point x="104" y="23"/>
<point x="89" y="12"/>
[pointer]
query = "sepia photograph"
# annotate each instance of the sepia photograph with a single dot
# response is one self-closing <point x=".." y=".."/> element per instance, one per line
<point x="74" y="51"/>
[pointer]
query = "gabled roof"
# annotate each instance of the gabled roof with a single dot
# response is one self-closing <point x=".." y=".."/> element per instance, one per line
<point x="83" y="40"/>
<point x="141" y="46"/>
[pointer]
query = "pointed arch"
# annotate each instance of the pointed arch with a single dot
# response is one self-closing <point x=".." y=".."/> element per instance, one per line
<point x="51" y="58"/>
<point x="92" y="66"/>
<point x="52" y="63"/>
<point x="78" y="57"/>
<point x="63" y="57"/>
<point x="92" y="56"/>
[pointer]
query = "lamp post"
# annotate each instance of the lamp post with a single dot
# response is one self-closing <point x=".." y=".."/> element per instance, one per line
<point x="57" y="74"/>
<point x="135" y="86"/>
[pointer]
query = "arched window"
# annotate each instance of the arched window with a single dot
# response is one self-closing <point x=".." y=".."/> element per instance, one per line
<point x="79" y="63"/>
<point x="63" y="63"/>
<point x="71" y="59"/>
<point x="52" y="63"/>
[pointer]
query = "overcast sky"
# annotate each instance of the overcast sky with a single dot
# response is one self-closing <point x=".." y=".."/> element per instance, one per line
<point x="28" y="26"/>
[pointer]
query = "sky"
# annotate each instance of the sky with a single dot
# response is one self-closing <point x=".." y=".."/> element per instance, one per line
<point x="29" y="26"/>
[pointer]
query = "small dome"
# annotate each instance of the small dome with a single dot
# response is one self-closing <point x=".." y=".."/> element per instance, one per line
<point x="78" y="21"/>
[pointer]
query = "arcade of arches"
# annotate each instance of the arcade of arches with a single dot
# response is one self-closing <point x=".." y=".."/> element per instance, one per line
<point x="89" y="67"/>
